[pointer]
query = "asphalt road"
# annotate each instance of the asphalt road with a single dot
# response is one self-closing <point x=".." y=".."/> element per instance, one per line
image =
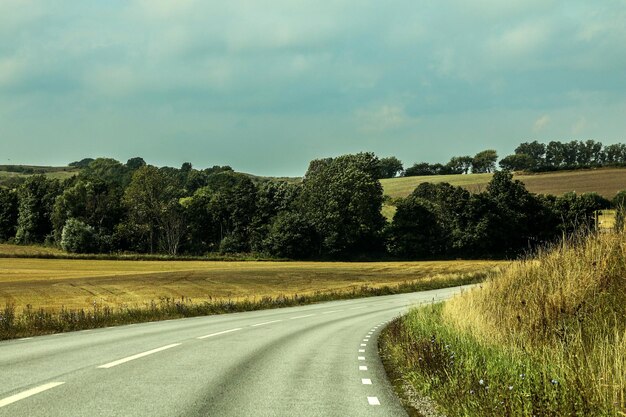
<point x="317" y="360"/>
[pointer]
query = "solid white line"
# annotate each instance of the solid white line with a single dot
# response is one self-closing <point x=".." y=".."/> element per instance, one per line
<point x="29" y="393"/>
<point x="137" y="356"/>
<point x="362" y="368"/>
<point x="366" y="381"/>
<point x="373" y="401"/>
<point x="301" y="317"/>
<point x="25" y="338"/>
<point x="267" y="322"/>
<point x="361" y="358"/>
<point x="219" y="333"/>
<point x="333" y="311"/>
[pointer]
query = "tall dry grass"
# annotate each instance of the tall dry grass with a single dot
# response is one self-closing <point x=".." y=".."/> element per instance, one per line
<point x="547" y="336"/>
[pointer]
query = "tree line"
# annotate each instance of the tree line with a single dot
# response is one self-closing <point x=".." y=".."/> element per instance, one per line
<point x="536" y="156"/>
<point x="335" y="212"/>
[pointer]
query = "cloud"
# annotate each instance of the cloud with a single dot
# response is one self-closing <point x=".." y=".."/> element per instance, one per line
<point x="541" y="123"/>
<point x="579" y="126"/>
<point x="382" y="118"/>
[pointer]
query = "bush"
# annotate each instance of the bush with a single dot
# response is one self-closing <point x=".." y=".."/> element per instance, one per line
<point x="78" y="237"/>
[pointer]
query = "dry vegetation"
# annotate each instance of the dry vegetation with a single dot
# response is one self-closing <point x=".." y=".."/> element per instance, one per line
<point x="53" y="283"/>
<point x="545" y="337"/>
<point x="606" y="182"/>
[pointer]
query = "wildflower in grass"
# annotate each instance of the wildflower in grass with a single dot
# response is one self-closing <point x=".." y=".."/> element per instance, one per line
<point x="510" y="387"/>
<point x="481" y="382"/>
<point x="522" y="376"/>
<point x="554" y="382"/>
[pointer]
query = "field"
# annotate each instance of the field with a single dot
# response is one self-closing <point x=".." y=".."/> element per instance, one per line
<point x="9" y="177"/>
<point x="606" y="182"/>
<point x="545" y="336"/>
<point x="74" y="284"/>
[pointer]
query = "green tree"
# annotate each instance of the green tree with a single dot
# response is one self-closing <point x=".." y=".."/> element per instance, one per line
<point x="8" y="214"/>
<point x="460" y="164"/>
<point x="36" y="198"/>
<point x="416" y="231"/>
<point x="290" y="236"/>
<point x="484" y="161"/>
<point x="342" y="200"/>
<point x="390" y="167"/>
<point x="517" y="162"/>
<point x="78" y="237"/>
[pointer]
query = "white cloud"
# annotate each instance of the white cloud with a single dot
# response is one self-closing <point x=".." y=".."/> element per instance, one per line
<point x="382" y="118"/>
<point x="541" y="123"/>
<point x="579" y="126"/>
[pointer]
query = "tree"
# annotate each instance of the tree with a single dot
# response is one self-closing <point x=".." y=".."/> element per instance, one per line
<point x="144" y="199"/>
<point x="460" y="164"/>
<point x="97" y="204"/>
<point x="36" y="199"/>
<point x="484" y="161"/>
<point x="135" y="163"/>
<point x="390" y="167"/>
<point x="8" y="214"/>
<point x="106" y="170"/>
<point x="290" y="236"/>
<point x="517" y="162"/>
<point x="82" y="163"/>
<point x="416" y="231"/>
<point x="342" y="200"/>
<point x="78" y="237"/>
<point x="535" y="151"/>
<point x="554" y="154"/>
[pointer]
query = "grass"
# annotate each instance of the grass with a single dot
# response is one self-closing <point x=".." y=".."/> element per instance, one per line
<point x="546" y="336"/>
<point x="63" y="294"/>
<point x="606" y="182"/>
<point x="12" y="178"/>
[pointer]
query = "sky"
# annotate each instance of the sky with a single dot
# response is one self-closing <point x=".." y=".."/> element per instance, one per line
<point x="265" y="87"/>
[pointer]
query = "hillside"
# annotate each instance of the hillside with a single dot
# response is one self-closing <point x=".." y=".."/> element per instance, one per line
<point x="606" y="182"/>
<point x="546" y="336"/>
<point x="14" y="174"/>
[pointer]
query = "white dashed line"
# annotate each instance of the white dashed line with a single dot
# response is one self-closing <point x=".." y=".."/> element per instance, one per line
<point x="264" y="323"/>
<point x="137" y="356"/>
<point x="361" y="358"/>
<point x="333" y="311"/>
<point x="366" y="381"/>
<point x="29" y="393"/>
<point x="363" y="344"/>
<point x="356" y="308"/>
<point x="366" y="340"/>
<point x="373" y="401"/>
<point x="301" y="317"/>
<point x="362" y="368"/>
<point x="219" y="333"/>
<point x="361" y="350"/>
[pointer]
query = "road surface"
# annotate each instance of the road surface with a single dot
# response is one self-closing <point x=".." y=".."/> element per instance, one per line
<point x="316" y="360"/>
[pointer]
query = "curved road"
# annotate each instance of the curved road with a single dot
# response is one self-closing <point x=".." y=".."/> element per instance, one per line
<point x="316" y="360"/>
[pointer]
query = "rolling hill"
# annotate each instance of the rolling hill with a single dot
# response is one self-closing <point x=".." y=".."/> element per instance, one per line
<point x="606" y="182"/>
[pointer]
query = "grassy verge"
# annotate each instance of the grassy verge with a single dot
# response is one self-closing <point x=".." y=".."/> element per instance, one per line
<point x="30" y="322"/>
<point x="545" y="337"/>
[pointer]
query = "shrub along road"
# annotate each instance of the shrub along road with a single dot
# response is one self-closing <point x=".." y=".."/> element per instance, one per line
<point x="316" y="360"/>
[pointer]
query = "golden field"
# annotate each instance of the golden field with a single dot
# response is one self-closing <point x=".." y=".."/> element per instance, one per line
<point x="606" y="182"/>
<point x="56" y="283"/>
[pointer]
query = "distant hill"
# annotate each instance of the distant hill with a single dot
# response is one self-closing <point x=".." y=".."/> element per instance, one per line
<point x="605" y="181"/>
<point x="13" y="174"/>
